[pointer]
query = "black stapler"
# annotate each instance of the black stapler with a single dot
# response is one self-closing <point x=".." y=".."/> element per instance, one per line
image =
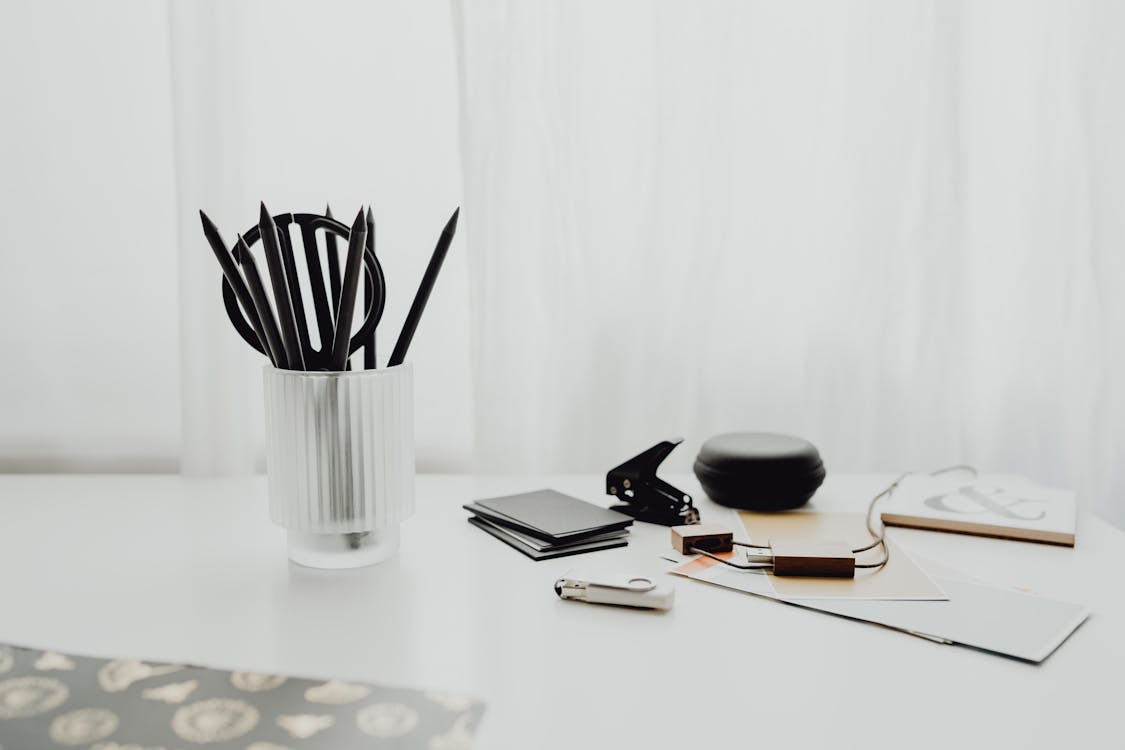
<point x="645" y="496"/>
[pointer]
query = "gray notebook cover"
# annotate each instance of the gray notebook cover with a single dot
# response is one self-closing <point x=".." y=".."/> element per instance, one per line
<point x="552" y="515"/>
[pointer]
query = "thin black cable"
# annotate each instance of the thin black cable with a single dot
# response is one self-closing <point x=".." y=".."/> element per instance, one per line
<point x="880" y="536"/>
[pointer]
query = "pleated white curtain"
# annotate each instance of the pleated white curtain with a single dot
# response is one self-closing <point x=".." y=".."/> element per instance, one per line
<point x="297" y="104"/>
<point x="894" y="228"/>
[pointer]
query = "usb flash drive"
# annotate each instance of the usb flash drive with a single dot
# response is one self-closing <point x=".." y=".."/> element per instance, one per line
<point x="625" y="591"/>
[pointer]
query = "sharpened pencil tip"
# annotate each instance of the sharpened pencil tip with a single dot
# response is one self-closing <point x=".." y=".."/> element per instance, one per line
<point x="211" y="231"/>
<point x="264" y="215"/>
<point x="241" y="249"/>
<point x="328" y="211"/>
<point x="370" y="215"/>
<point x="360" y="222"/>
<point x="451" y="225"/>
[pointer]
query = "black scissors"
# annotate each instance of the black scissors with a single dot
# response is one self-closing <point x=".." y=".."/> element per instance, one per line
<point x="315" y="359"/>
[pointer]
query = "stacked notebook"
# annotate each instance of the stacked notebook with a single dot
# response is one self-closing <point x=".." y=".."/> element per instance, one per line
<point x="1007" y="507"/>
<point x="546" y="524"/>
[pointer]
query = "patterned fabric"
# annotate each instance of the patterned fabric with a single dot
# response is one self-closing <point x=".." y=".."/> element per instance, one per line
<point x="54" y="700"/>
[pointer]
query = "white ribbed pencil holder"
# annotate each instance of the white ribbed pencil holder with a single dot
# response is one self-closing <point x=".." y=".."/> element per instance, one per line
<point x="340" y="460"/>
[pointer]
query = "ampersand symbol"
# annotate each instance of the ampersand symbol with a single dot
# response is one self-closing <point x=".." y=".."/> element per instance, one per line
<point x="983" y="502"/>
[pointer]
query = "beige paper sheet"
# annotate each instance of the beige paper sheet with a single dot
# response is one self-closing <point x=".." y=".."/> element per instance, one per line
<point x="900" y="578"/>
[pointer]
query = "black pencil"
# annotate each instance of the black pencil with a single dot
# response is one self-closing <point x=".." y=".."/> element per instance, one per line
<point x="320" y="297"/>
<point x="294" y="284"/>
<point x="398" y="356"/>
<point x="261" y="302"/>
<point x="234" y="278"/>
<point x="280" y="287"/>
<point x="369" y="294"/>
<point x="333" y="264"/>
<point x="349" y="287"/>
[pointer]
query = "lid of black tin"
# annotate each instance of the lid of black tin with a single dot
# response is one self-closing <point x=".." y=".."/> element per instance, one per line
<point x="756" y="452"/>
<point x="759" y="470"/>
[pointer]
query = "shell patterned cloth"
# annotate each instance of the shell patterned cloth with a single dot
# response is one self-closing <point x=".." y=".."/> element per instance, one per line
<point x="50" y="699"/>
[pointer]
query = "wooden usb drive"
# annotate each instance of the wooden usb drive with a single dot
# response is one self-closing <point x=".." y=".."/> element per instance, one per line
<point x="710" y="537"/>
<point x="817" y="557"/>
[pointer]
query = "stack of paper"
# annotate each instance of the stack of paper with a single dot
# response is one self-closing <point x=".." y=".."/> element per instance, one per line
<point x="946" y="607"/>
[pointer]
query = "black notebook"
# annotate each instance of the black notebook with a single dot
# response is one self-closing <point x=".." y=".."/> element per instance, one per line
<point x="545" y="524"/>
<point x="541" y="545"/>
<point x="544" y="551"/>
<point x="549" y="515"/>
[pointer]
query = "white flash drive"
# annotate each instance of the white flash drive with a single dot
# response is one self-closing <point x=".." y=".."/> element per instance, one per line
<point x="626" y="591"/>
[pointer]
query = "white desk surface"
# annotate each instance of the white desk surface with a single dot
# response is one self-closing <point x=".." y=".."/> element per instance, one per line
<point x="175" y="569"/>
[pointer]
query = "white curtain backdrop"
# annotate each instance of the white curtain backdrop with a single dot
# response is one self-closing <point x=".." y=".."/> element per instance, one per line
<point x="894" y="228"/>
<point x="298" y="104"/>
